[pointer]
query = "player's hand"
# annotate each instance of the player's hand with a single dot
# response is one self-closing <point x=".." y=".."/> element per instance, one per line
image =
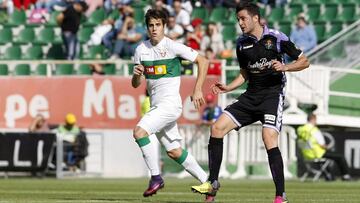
<point x="218" y="88"/>
<point x="139" y="70"/>
<point x="278" y="66"/>
<point x="198" y="99"/>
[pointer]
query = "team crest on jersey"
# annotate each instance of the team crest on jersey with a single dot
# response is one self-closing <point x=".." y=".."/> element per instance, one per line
<point x="269" y="44"/>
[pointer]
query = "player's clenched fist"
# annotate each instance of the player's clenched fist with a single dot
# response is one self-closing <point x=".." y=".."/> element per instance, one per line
<point x="278" y="66"/>
<point x="139" y="70"/>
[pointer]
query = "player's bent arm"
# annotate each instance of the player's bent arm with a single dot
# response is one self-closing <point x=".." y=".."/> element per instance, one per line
<point x="238" y="81"/>
<point x="300" y="64"/>
<point x="203" y="65"/>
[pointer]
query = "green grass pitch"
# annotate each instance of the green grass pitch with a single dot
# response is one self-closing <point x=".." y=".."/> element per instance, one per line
<point x="175" y="191"/>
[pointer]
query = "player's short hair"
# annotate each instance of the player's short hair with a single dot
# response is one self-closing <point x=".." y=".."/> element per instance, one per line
<point x="251" y="8"/>
<point x="157" y="14"/>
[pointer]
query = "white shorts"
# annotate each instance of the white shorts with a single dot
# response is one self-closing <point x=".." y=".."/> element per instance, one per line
<point x="161" y="120"/>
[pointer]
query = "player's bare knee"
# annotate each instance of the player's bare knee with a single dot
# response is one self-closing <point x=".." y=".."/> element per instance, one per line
<point x="174" y="153"/>
<point x="217" y="130"/>
<point x="138" y="132"/>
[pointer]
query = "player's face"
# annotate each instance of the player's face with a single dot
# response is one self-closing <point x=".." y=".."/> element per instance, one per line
<point x="246" y="21"/>
<point x="155" y="30"/>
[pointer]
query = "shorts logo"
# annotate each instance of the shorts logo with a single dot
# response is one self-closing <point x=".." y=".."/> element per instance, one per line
<point x="269" y="118"/>
<point x="155" y="70"/>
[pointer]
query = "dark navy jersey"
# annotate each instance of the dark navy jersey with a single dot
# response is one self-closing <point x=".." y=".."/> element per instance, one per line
<point x="255" y="56"/>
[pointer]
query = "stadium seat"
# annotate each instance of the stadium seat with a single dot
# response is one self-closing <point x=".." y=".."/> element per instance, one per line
<point x="276" y="14"/>
<point x="110" y="69"/>
<point x="320" y="28"/>
<point x="285" y="27"/>
<point x="5" y="35"/>
<point x="84" y="69"/>
<point x="295" y="9"/>
<point x="330" y="13"/>
<point x="26" y="35"/>
<point x="232" y="18"/>
<point x="94" y="52"/>
<point x="84" y="34"/>
<point x="55" y="52"/>
<point x="313" y="11"/>
<point x="41" y="69"/>
<point x="33" y="53"/>
<point x="229" y="33"/>
<point x="95" y="18"/>
<point x="12" y="53"/>
<point x="52" y="20"/>
<point x="218" y="14"/>
<point x="64" y="69"/>
<point x="139" y="15"/>
<point x="335" y="28"/>
<point x="348" y="13"/>
<point x="199" y="12"/>
<point x="17" y="18"/>
<point x="4" y="69"/>
<point x="45" y="36"/>
<point x="22" y="69"/>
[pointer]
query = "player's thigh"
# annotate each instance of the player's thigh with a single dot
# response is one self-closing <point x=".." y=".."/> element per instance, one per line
<point x="158" y="118"/>
<point x="272" y="109"/>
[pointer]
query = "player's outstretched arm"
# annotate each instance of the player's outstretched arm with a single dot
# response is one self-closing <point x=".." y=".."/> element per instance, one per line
<point x="197" y="97"/>
<point x="219" y="88"/>
<point x="137" y="75"/>
<point x="300" y="64"/>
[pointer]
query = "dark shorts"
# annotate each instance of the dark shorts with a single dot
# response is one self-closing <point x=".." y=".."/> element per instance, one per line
<point x="250" y="108"/>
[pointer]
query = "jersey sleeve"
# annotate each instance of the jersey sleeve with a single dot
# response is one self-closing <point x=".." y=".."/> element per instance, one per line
<point x="136" y="59"/>
<point x="239" y="56"/>
<point x="184" y="51"/>
<point x="289" y="48"/>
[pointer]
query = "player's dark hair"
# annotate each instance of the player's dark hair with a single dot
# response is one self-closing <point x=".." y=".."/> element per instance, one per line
<point x="156" y="14"/>
<point x="251" y="8"/>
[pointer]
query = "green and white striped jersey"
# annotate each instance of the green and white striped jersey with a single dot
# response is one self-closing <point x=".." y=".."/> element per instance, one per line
<point x="162" y="68"/>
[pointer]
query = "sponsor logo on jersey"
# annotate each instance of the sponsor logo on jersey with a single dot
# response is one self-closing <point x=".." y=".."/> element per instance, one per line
<point x="155" y="70"/>
<point x="261" y="64"/>
<point x="269" y="118"/>
<point x="248" y="47"/>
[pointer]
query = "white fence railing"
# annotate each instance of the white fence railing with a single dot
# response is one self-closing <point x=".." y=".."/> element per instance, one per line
<point x="241" y="148"/>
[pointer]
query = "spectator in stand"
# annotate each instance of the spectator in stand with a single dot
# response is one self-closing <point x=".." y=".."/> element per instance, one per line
<point x="97" y="69"/>
<point x="160" y="5"/>
<point x="182" y="17"/>
<point x="125" y="10"/>
<point x="23" y="4"/>
<point x="231" y="3"/>
<point x="110" y="5"/>
<point x="8" y="5"/>
<point x="93" y="5"/>
<point x="213" y="39"/>
<point x="304" y="35"/>
<point x="212" y="111"/>
<point x="210" y="4"/>
<point x="174" y="31"/>
<point x="128" y="39"/>
<point x="39" y="125"/>
<point x="69" y="20"/>
<point x="214" y="63"/>
<point x="194" y="38"/>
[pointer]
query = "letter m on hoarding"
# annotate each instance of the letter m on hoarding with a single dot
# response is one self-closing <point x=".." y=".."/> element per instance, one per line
<point x="95" y="98"/>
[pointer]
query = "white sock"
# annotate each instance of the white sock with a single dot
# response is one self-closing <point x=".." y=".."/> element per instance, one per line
<point x="149" y="153"/>
<point x="191" y="166"/>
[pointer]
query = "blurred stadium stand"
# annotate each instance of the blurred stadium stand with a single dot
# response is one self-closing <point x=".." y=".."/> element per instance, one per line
<point x="336" y="23"/>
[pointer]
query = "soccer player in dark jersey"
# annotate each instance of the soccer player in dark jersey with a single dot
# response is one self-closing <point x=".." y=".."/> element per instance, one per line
<point x="260" y="53"/>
